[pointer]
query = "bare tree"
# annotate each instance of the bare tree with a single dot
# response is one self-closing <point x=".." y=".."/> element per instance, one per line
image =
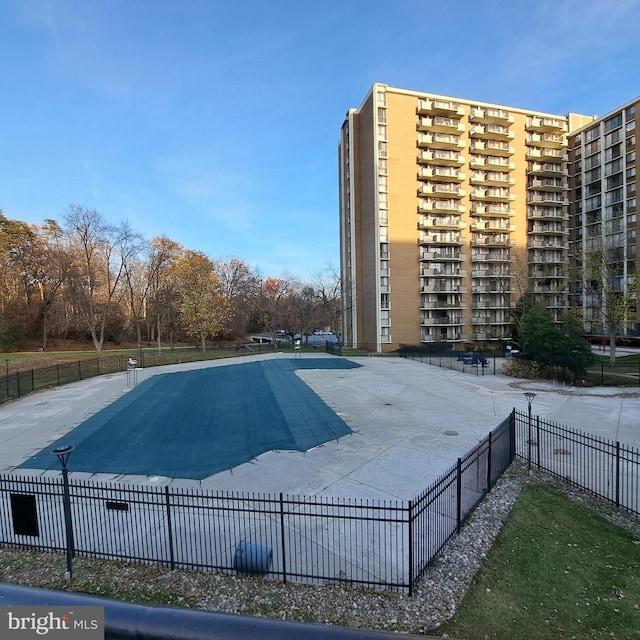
<point x="606" y="291"/>
<point x="101" y="252"/>
<point x="163" y="288"/>
<point x="239" y="286"/>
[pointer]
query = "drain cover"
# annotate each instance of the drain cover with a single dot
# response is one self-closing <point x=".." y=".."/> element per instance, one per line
<point x="450" y="433"/>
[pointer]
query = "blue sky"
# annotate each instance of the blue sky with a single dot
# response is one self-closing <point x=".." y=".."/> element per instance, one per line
<point x="216" y="123"/>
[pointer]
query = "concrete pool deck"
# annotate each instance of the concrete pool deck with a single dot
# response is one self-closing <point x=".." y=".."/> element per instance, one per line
<point x="411" y="421"/>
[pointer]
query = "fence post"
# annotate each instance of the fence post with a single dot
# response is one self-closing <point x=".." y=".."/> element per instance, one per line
<point x="18" y="384"/>
<point x="617" y="474"/>
<point x="459" y="495"/>
<point x="169" y="527"/>
<point x="284" y="555"/>
<point x="538" y="447"/>
<point x="58" y="373"/>
<point x="512" y="435"/>
<point x="79" y="370"/>
<point x="410" y="520"/>
<point x="489" y="464"/>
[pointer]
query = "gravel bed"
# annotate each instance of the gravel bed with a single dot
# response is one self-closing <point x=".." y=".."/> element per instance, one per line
<point x="435" y="599"/>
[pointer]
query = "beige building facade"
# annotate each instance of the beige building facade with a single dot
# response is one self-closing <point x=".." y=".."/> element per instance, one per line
<point x="449" y="209"/>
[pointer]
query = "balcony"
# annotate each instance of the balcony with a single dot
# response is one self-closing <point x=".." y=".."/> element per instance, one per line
<point x="442" y="238"/>
<point x="451" y="189"/>
<point x="546" y="198"/>
<point x="492" y="240"/>
<point x="546" y="213"/>
<point x="491" y="288"/>
<point x="496" y="302"/>
<point x="492" y="162"/>
<point x="442" y="256"/>
<point x="547" y="184"/>
<point x="452" y="302"/>
<point x="492" y="147"/>
<point x="440" y="222"/>
<point x="491" y="256"/>
<point x="492" y="225"/>
<point x="440" y="141"/>
<point x="486" y="271"/>
<point x="537" y="256"/>
<point x="548" y="243"/>
<point x="440" y="124"/>
<point x="442" y="174"/>
<point x="443" y="157"/>
<point x="490" y="115"/>
<point x="554" y="140"/>
<point x="442" y="287"/>
<point x="448" y="271"/>
<point x="445" y="206"/>
<point x="436" y="106"/>
<point x="443" y="320"/>
<point x="542" y="124"/>
<point x="549" y="228"/>
<point x="493" y="210"/>
<point x="496" y="178"/>
<point x="499" y="194"/>
<point x="546" y="153"/>
<point x="491" y="132"/>
<point x="545" y="169"/>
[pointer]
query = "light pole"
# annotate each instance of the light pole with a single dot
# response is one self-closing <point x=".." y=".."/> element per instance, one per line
<point x="529" y="396"/>
<point x="63" y="454"/>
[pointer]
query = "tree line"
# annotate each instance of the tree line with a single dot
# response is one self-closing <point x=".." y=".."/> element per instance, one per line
<point x="86" y="279"/>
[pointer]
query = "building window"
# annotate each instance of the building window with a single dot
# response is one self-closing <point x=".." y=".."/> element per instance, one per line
<point x="613" y="122"/>
<point x="592" y="147"/>
<point x="593" y="161"/>
<point x="613" y="152"/>
<point x="613" y="137"/>
<point x="592" y="134"/>
<point x="630" y="112"/>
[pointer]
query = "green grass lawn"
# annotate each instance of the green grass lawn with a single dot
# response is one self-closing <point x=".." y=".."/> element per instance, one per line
<point x="557" y="571"/>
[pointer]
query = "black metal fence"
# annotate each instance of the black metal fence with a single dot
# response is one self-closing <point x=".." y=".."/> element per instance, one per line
<point x="475" y="362"/>
<point x="607" y="469"/>
<point x="20" y="383"/>
<point x="379" y="544"/>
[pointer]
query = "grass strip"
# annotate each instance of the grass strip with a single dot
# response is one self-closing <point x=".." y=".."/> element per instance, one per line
<point x="556" y="571"/>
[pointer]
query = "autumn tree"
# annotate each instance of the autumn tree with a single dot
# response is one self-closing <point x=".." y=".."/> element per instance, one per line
<point x="201" y="302"/>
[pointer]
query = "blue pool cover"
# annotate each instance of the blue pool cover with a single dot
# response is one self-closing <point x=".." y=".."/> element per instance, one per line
<point x="196" y="423"/>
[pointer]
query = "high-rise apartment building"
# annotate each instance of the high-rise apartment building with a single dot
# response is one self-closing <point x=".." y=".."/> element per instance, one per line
<point x="604" y="227"/>
<point x="449" y="209"/>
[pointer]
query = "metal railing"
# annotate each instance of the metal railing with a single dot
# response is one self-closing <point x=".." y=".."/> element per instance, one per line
<point x="20" y="383"/>
<point x="379" y="544"/>
<point x="311" y="539"/>
<point x="475" y="362"/>
<point x="605" y="468"/>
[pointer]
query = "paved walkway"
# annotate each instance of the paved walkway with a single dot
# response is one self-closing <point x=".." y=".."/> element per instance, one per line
<point x="410" y="420"/>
